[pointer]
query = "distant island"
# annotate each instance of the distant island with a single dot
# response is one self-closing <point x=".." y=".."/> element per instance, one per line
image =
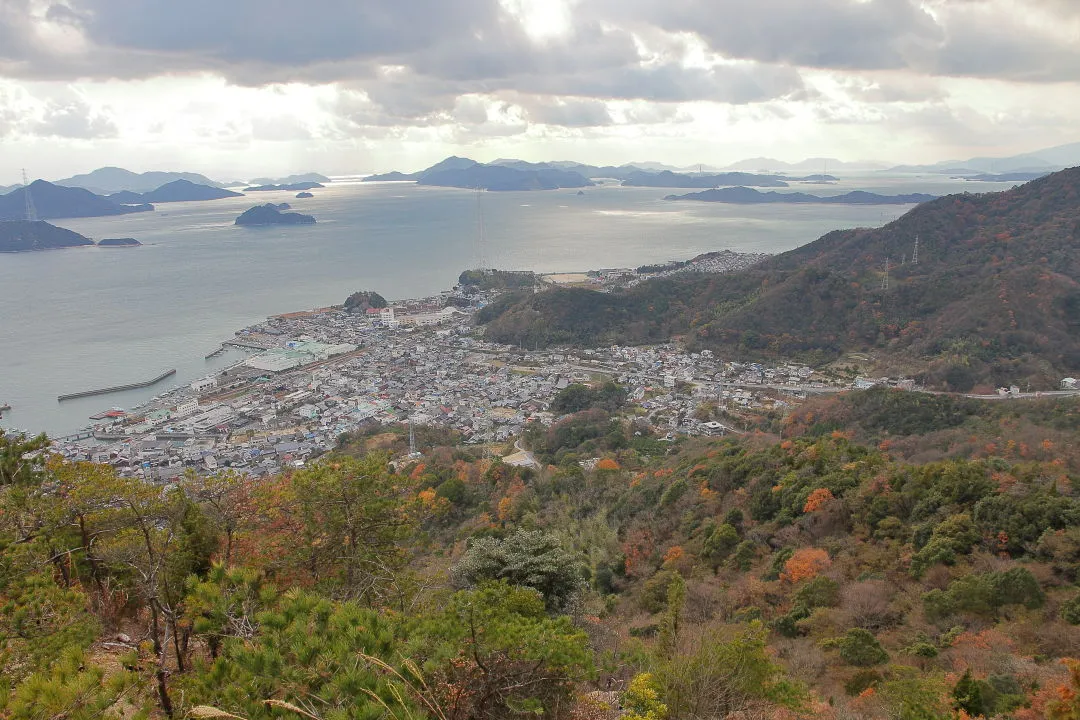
<point x="510" y="174"/>
<point x="52" y="201"/>
<point x="290" y="180"/>
<point x="270" y="214"/>
<point x="27" y="236"/>
<point x="668" y="179"/>
<point x="1004" y="177"/>
<point x="290" y="186"/>
<point x="304" y="195"/>
<point x="176" y="191"/>
<point x="465" y="173"/>
<point x="749" y="196"/>
<point x="119" y="243"/>
<point x="109" y="180"/>
<point x="502" y="179"/>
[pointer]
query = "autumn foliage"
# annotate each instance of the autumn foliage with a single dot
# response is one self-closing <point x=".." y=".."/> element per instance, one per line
<point x="816" y="499"/>
<point x="804" y="564"/>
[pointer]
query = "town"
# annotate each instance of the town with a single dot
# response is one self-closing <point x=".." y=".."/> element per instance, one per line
<point x="312" y="377"/>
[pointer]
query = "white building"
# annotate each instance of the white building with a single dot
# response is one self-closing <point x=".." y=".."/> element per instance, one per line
<point x="204" y="385"/>
<point x="187" y="407"/>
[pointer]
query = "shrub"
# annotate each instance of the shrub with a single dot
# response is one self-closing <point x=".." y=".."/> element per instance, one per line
<point x="530" y="559"/>
<point x="984" y="594"/>
<point x="860" y="648"/>
<point x="720" y="542"/>
<point x="1070" y="610"/>
<point x="641" y="701"/>
<point x="862" y="681"/>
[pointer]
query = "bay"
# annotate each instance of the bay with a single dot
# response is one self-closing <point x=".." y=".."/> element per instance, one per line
<point x="78" y="319"/>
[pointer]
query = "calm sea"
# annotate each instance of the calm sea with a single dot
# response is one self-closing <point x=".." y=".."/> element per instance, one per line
<point x="78" y="319"/>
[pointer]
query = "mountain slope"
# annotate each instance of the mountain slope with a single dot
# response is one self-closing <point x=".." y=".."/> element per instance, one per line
<point x="994" y="298"/>
<point x="56" y="201"/>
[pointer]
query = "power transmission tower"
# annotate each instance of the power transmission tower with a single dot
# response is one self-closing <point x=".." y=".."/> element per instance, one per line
<point x="481" y="240"/>
<point x="915" y="252"/>
<point x="885" y="277"/>
<point x="31" y="211"/>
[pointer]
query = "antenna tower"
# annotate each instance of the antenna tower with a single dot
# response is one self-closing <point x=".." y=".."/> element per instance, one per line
<point x="915" y="253"/>
<point x="885" y="277"/>
<point x="412" y="440"/>
<point x="481" y="239"/>
<point x="31" y="211"/>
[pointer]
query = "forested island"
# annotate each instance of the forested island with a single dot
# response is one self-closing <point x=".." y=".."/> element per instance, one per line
<point x="271" y="214"/>
<point x="25" y="236"/>
<point x="52" y="201"/>
<point x="175" y="191"/>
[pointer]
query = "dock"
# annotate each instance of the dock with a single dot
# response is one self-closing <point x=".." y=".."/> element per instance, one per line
<point x="118" y="388"/>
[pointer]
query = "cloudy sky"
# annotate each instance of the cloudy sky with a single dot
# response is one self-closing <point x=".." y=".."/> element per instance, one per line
<point x="235" y="88"/>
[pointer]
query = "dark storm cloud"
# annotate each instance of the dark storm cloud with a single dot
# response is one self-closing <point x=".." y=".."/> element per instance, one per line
<point x="411" y="61"/>
<point x="441" y="50"/>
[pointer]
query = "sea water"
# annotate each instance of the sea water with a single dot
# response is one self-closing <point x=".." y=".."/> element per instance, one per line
<point x="84" y="318"/>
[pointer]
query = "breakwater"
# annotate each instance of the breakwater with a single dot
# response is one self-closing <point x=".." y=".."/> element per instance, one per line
<point x="118" y="388"/>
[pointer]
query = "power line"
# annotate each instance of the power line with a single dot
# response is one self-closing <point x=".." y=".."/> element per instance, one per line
<point x="31" y="211"/>
<point x="481" y="240"/>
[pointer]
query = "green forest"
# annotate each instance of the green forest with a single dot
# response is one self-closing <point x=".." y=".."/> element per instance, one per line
<point x="878" y="554"/>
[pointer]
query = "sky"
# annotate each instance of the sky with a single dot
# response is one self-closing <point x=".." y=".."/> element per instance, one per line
<point x="240" y="88"/>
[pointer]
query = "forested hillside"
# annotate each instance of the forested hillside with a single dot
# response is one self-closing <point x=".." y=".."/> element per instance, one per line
<point x="894" y="555"/>
<point x="994" y="297"/>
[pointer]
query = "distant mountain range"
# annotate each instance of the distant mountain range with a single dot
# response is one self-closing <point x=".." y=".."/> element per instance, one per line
<point x="25" y="236"/>
<point x="821" y="165"/>
<point x="747" y="196"/>
<point x="1040" y="161"/>
<point x="109" y="180"/>
<point x="993" y="300"/>
<point x="55" y="201"/>
<point x="1005" y="177"/>
<point x="176" y="191"/>
<point x="508" y="174"/>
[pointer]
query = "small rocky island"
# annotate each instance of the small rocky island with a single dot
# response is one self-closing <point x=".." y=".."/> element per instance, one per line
<point x="118" y="242"/>
<point x="271" y="214"/>
<point x="304" y="194"/>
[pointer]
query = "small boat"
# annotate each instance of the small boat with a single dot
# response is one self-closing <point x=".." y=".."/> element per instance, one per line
<point x="112" y="413"/>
